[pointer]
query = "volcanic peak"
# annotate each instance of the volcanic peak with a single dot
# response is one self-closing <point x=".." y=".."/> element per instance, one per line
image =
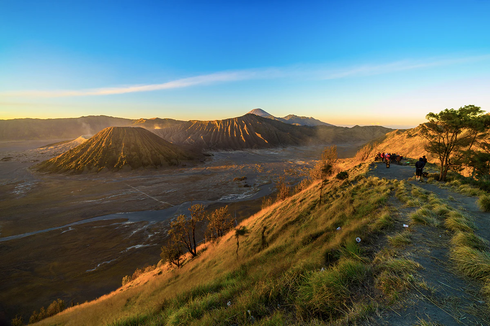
<point x="116" y="148"/>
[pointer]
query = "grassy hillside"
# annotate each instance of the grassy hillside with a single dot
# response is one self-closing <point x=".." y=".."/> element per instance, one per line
<point x="339" y="261"/>
<point x="300" y="262"/>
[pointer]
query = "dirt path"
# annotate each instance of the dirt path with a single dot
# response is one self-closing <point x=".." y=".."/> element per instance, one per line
<point x="442" y="296"/>
<point x="461" y="202"/>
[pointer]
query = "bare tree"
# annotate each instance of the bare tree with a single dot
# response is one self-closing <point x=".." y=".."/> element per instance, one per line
<point x="325" y="167"/>
<point x="183" y="230"/>
<point x="282" y="189"/>
<point x="172" y="253"/>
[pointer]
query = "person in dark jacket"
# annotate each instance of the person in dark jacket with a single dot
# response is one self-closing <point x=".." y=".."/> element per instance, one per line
<point x="419" y="168"/>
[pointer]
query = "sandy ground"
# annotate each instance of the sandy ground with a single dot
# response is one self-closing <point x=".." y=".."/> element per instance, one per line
<point x="78" y="262"/>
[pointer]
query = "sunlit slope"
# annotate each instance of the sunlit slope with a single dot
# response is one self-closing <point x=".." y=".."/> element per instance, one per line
<point x="299" y="262"/>
<point x="248" y="131"/>
<point x="116" y="148"/>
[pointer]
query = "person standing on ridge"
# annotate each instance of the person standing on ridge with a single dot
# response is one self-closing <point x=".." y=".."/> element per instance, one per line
<point x="419" y="167"/>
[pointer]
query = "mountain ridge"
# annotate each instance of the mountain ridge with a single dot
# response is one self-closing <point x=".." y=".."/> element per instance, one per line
<point x="291" y="119"/>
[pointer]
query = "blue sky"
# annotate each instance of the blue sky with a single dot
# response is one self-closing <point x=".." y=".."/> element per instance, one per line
<point x="343" y="62"/>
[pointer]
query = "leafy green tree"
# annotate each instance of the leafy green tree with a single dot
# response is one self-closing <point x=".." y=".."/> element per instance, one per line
<point x="450" y="133"/>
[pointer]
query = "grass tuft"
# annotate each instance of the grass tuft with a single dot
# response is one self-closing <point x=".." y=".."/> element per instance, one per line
<point x="425" y="216"/>
<point x="400" y="239"/>
<point x="466" y="239"/>
<point x="472" y="262"/>
<point x="484" y="203"/>
<point x="457" y="222"/>
<point x="468" y="190"/>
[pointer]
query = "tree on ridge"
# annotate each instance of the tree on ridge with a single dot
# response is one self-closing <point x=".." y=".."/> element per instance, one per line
<point x="452" y="133"/>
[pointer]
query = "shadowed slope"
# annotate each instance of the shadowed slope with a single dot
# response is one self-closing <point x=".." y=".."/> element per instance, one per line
<point x="115" y="148"/>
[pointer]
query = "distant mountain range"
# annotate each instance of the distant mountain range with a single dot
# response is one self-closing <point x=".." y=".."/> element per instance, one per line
<point x="257" y="130"/>
<point x="25" y="129"/>
<point x="291" y="119"/>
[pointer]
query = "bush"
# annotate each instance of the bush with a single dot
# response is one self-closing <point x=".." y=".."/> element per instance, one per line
<point x="342" y="175"/>
<point x="56" y="307"/>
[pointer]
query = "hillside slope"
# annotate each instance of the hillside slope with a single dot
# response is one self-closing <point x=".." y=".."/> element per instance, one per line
<point x="343" y="260"/>
<point x="115" y="148"/>
<point x="408" y="143"/>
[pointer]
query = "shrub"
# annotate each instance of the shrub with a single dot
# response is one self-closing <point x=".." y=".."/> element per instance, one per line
<point x="282" y="189"/>
<point x="126" y="279"/>
<point x="55" y="307"/>
<point x="484" y="203"/>
<point x="342" y="175"/>
<point x="17" y="321"/>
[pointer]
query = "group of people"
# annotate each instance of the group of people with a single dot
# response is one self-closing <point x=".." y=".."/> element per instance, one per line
<point x="392" y="157"/>
<point x="388" y="157"/>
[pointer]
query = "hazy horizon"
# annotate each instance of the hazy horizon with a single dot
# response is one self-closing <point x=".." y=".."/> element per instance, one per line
<point x="380" y="63"/>
<point x="148" y="118"/>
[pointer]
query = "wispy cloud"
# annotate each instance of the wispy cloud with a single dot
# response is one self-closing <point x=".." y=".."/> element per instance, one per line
<point x="305" y="72"/>
<point x="397" y="66"/>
